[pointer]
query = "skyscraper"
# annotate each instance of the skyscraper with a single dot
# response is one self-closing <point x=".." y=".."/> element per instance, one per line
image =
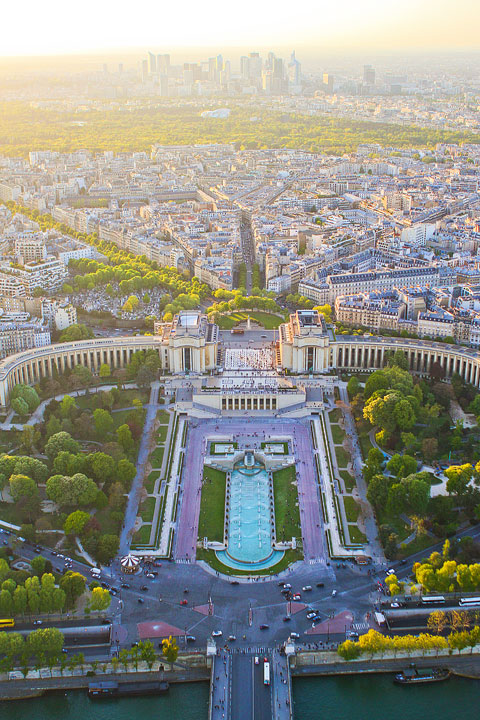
<point x="328" y="83"/>
<point x="152" y="63"/>
<point x="294" y="70"/>
<point x="368" y="75"/>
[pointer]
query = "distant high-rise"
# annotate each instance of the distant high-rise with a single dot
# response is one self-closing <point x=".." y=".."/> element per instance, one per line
<point x="368" y="75"/>
<point x="255" y="65"/>
<point x="294" y="70"/>
<point x="144" y="70"/>
<point x="245" y="67"/>
<point x="328" y="82"/>
<point x="163" y="64"/>
<point x="152" y="63"/>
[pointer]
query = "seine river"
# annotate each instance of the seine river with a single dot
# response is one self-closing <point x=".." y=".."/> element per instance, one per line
<point x="333" y="698"/>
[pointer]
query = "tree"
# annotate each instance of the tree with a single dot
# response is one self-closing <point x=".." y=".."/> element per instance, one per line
<point x="124" y="438"/>
<point x="26" y="393"/>
<point x="459" y="477"/>
<point x="73" y="585"/>
<point x="102" y="466"/>
<point x="47" y="641"/>
<point x="75" y="522"/>
<point x="430" y="448"/>
<point x="437" y="621"/>
<point x="170" y="649"/>
<point x="67" y="406"/>
<point x="107" y="548"/>
<point x="32" y="467"/>
<point x="67" y="463"/>
<point x="20" y="600"/>
<point x="145" y="376"/>
<point x="22" y="486"/>
<point x="76" y="332"/>
<point x="100" y="599"/>
<point x="20" y="406"/>
<point x="377" y="491"/>
<point x="104" y="371"/>
<point x="126" y="472"/>
<point x="70" y="491"/>
<point x="103" y="422"/>
<point x="29" y="438"/>
<point x="38" y="564"/>
<point x="349" y="650"/>
<point x="401" y="465"/>
<point x="61" y="441"/>
<point x="353" y="387"/>
<point x="147" y="652"/>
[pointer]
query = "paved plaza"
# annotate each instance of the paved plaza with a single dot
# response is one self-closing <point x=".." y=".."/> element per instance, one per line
<point x="249" y="358"/>
<point x="250" y="433"/>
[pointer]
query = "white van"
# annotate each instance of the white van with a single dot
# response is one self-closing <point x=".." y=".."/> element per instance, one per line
<point x="95" y="572"/>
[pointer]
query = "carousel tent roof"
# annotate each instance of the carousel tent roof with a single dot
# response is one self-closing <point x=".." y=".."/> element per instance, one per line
<point x="130" y="561"/>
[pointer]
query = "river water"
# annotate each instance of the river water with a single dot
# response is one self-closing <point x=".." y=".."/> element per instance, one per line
<point x="334" y="698"/>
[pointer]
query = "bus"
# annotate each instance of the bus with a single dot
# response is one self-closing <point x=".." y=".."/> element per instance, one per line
<point x="237" y="331"/>
<point x="469" y="602"/>
<point x="7" y="623"/>
<point x="432" y="599"/>
<point x="266" y="673"/>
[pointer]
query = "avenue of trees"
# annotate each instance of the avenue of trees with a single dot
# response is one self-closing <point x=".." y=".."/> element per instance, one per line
<point x="374" y="643"/>
<point x="41" y="591"/>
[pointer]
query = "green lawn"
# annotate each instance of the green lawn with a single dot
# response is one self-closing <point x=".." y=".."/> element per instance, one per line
<point x="338" y="434"/>
<point x="156" y="458"/>
<point x="212" y="505"/>
<point x="149" y="483"/>
<point x="163" y="417"/>
<point x="352" y="508"/>
<point x="147" y="508"/>
<point x="162" y="433"/>
<point x="356" y="535"/>
<point x="287" y="514"/>
<point x="269" y="321"/>
<point x="142" y="537"/>
<point x="108" y="524"/>
<point x="343" y="457"/>
<point x="348" y="479"/>
<point x="335" y="415"/>
<point x="209" y="556"/>
<point x="421" y="542"/>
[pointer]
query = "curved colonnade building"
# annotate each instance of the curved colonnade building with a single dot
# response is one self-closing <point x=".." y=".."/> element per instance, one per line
<point x="191" y="344"/>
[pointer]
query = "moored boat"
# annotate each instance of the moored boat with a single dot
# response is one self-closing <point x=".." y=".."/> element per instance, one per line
<point x="414" y="675"/>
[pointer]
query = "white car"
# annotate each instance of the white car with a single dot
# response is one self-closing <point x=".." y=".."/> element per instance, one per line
<point x="256" y="660"/>
<point x="294" y="635"/>
<point x="311" y="615"/>
<point x="306" y="588"/>
<point x="217" y="633"/>
<point x="390" y="572"/>
<point x="334" y="592"/>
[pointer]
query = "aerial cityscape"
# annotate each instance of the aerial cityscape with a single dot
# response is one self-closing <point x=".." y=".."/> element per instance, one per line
<point x="240" y="363"/>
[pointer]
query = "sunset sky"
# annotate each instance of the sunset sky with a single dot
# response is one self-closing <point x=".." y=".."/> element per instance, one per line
<point x="63" y="26"/>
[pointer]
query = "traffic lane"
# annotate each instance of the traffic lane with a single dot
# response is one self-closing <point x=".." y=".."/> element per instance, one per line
<point x="262" y="694"/>
<point x="241" y="697"/>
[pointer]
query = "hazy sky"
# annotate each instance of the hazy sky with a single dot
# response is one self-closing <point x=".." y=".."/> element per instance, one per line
<point x="32" y="27"/>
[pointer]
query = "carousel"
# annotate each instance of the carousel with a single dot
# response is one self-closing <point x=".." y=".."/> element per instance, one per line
<point x="130" y="564"/>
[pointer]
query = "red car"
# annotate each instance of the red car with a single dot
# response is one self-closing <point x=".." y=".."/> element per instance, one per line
<point x="183" y="602"/>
